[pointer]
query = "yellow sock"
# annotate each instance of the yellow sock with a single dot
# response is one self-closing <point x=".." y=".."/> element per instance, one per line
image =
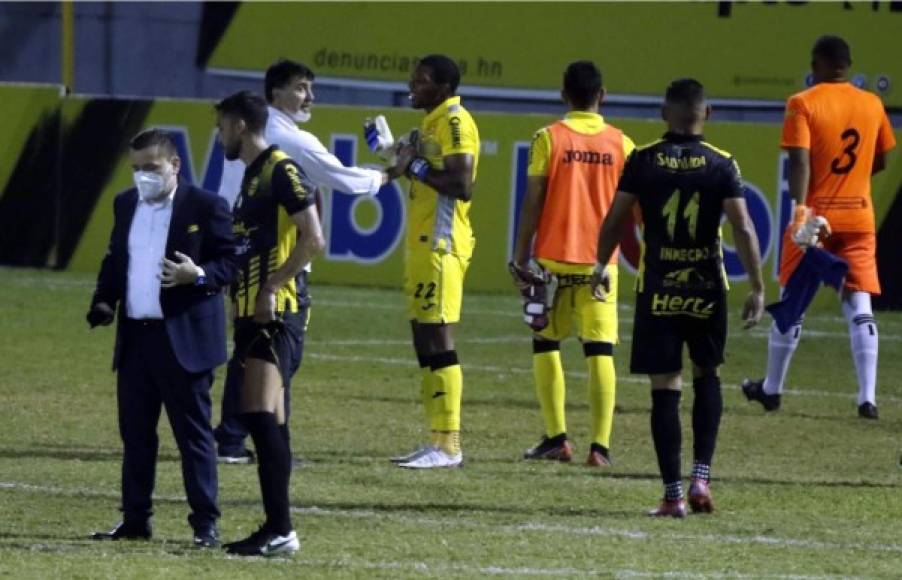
<point x="426" y="393"/>
<point x="602" y="386"/>
<point x="449" y="441"/>
<point x="550" y="389"/>
<point x="447" y="388"/>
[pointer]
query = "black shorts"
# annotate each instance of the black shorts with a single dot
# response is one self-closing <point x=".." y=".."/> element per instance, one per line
<point x="278" y="342"/>
<point x="658" y="338"/>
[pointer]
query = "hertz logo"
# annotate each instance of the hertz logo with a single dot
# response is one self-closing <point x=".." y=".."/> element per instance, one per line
<point x="667" y="305"/>
<point x="588" y="157"/>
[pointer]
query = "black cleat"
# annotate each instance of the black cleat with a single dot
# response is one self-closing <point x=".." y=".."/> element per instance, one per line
<point x="556" y="448"/>
<point x="126" y="531"/>
<point x="265" y="543"/>
<point x="206" y="537"/>
<point x="868" y="411"/>
<point x="754" y="391"/>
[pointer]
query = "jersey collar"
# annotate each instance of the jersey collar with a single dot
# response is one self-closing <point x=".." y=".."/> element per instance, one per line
<point x="678" y="138"/>
<point x="593" y="118"/>
<point x="443" y="108"/>
<point x="261" y="159"/>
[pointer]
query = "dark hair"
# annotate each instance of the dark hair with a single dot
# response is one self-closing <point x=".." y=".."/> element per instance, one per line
<point x="154" y="138"/>
<point x="834" y="50"/>
<point x="444" y="70"/>
<point x="247" y="106"/>
<point x="685" y="92"/>
<point x="280" y="74"/>
<point x="582" y="83"/>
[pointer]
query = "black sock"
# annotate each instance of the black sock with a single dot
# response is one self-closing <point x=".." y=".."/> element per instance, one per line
<point x="706" y="411"/>
<point x="274" y="469"/>
<point x="665" y="431"/>
<point x="286" y="435"/>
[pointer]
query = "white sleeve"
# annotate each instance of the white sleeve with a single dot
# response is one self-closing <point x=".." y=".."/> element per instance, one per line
<point x="230" y="184"/>
<point x="325" y="170"/>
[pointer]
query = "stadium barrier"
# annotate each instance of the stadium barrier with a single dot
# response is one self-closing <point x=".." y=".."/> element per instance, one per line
<point x="67" y="158"/>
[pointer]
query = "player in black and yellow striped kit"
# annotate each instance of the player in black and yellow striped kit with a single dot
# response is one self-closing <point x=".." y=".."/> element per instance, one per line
<point x="277" y="234"/>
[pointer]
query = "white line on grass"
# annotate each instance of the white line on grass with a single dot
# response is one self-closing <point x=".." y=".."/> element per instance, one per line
<point x="603" y="531"/>
<point x="425" y="568"/>
<point x="516" y="529"/>
<point x="410" y="362"/>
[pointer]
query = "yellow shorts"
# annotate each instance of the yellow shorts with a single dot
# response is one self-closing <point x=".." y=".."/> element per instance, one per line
<point x="596" y="321"/>
<point x="434" y="286"/>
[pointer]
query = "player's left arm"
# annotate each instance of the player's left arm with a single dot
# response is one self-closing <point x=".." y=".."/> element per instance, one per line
<point x="746" y="241"/>
<point x="459" y="142"/>
<point x="455" y="179"/>
<point x="293" y="197"/>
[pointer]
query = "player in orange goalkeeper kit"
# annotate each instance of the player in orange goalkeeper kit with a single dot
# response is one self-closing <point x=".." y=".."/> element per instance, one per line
<point x="837" y="136"/>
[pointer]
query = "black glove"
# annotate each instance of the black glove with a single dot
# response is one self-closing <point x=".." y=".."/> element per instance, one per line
<point x="100" y="315"/>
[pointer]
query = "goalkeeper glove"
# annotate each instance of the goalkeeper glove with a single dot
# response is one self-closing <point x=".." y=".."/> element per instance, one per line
<point x="378" y="136"/>
<point x="807" y="228"/>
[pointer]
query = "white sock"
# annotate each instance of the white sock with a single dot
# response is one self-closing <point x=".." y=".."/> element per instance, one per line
<point x="863" y="334"/>
<point x="780" y="348"/>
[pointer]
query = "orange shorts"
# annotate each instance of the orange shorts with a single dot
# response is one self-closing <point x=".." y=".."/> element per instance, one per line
<point x="859" y="249"/>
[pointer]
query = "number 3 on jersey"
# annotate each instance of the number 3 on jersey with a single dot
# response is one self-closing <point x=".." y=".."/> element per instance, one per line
<point x="844" y="163"/>
<point x="671" y="211"/>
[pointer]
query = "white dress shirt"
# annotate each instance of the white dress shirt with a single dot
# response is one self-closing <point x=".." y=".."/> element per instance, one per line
<point x="146" y="249"/>
<point x="323" y="168"/>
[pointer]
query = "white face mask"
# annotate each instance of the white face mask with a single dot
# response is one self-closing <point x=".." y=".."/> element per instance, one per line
<point x="150" y="185"/>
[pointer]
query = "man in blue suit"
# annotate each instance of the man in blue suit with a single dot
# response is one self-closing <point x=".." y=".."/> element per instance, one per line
<point x="171" y="253"/>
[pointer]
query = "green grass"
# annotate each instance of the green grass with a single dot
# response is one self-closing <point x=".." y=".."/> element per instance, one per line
<point x="811" y="491"/>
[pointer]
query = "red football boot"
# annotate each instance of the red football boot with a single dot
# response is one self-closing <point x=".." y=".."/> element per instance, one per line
<point x="556" y="448"/>
<point x="700" y="499"/>
<point x="598" y="456"/>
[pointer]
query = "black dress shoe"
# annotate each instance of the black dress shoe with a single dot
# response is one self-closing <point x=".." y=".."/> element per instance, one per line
<point x="206" y="538"/>
<point x="126" y="531"/>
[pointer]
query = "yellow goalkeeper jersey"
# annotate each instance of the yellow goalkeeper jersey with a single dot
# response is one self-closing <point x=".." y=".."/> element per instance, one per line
<point x="439" y="222"/>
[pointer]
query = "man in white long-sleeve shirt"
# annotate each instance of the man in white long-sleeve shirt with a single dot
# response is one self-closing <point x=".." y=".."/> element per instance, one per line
<point x="289" y="92"/>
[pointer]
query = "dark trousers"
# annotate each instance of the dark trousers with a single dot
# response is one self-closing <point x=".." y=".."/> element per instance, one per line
<point x="151" y="377"/>
<point x="231" y="432"/>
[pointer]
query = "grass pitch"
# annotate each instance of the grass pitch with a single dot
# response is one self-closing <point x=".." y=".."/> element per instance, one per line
<point x="810" y="491"/>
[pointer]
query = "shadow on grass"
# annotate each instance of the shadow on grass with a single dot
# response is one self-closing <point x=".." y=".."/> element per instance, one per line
<point x="72" y="454"/>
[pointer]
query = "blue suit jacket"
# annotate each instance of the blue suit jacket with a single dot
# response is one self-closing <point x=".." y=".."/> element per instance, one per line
<point x="201" y="227"/>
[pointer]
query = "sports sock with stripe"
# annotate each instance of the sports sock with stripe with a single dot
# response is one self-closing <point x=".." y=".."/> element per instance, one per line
<point x="550" y="389"/>
<point x="707" y="409"/>
<point x="780" y="348"/>
<point x="666" y="434"/>
<point x="864" y="339"/>
<point x="447" y="390"/>
<point x="601" y="386"/>
<point x="425" y="362"/>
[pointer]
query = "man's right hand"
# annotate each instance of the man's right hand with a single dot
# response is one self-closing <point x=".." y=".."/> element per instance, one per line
<point x="600" y="283"/>
<point x="523" y="276"/>
<point x="807" y="228"/>
<point x="101" y="314"/>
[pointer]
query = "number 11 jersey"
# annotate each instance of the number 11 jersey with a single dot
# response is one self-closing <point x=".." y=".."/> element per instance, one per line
<point x="681" y="182"/>
<point x="843" y="127"/>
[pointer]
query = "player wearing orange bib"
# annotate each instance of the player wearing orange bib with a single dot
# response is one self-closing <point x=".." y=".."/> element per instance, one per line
<point x="574" y="168"/>
<point x="837" y="136"/>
